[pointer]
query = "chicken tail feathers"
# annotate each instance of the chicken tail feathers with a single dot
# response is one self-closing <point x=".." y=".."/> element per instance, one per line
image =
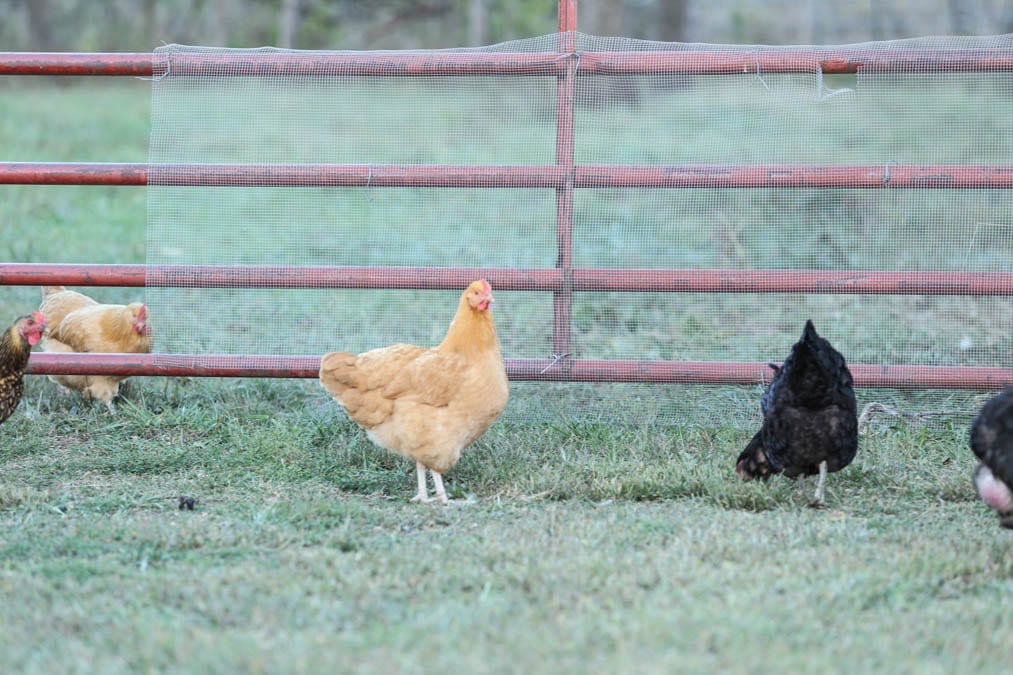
<point x="810" y="334"/>
<point x="342" y="377"/>
<point x="337" y="372"/>
<point x="816" y="348"/>
<point x="819" y="349"/>
<point x="817" y="374"/>
<point x="52" y="290"/>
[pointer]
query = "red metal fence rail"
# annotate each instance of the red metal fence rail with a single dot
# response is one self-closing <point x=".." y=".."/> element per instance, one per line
<point x="832" y="61"/>
<point x="564" y="177"/>
<point x="513" y="279"/>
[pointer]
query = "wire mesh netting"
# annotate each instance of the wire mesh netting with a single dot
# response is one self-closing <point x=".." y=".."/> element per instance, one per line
<point x="224" y="107"/>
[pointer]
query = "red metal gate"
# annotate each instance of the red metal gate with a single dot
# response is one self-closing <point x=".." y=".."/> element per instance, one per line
<point x="564" y="177"/>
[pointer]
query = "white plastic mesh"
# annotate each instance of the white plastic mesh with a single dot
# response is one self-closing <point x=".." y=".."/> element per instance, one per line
<point x="209" y="114"/>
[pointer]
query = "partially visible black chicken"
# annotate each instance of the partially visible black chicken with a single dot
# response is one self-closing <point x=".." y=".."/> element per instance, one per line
<point x="15" y="345"/>
<point x="810" y="416"/>
<point x="992" y="442"/>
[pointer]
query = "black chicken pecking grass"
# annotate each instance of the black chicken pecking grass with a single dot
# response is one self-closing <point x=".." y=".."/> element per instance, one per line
<point x="810" y="417"/>
<point x="992" y="442"/>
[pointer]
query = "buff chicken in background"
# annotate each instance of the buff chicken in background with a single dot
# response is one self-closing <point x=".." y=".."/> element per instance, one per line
<point x="992" y="442"/>
<point x="427" y="404"/>
<point x="15" y="347"/>
<point x="810" y="417"/>
<point x="78" y="324"/>
<point x="58" y="302"/>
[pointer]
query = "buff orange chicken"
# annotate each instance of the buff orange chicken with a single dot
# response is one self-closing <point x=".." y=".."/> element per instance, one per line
<point x="79" y="324"/>
<point x="427" y="404"/>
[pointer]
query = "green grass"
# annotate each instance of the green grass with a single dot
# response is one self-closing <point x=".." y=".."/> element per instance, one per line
<point x="577" y="547"/>
<point x="580" y="545"/>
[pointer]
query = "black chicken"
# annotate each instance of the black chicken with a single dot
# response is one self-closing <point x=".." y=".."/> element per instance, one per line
<point x="810" y="416"/>
<point x="15" y="345"/>
<point x="992" y="442"/>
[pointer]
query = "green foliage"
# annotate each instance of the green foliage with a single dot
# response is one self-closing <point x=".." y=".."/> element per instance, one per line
<point x="140" y="25"/>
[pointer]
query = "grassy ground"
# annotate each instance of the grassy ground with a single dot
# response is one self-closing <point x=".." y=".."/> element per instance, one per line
<point x="578" y="546"/>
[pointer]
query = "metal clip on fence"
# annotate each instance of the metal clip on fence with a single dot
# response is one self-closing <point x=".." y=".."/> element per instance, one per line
<point x="556" y="358"/>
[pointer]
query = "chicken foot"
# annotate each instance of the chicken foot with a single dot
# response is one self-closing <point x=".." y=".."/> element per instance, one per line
<point x="422" y="496"/>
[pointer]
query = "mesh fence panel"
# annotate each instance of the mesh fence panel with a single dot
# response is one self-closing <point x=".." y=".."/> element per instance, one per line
<point x="210" y="110"/>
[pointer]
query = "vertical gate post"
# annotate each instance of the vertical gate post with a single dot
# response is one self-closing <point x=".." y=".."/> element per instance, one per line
<point x="565" y="88"/>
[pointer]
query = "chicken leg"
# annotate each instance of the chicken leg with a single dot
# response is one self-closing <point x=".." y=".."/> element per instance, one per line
<point x="422" y="496"/>
<point x="441" y="493"/>
<point x="818" y="497"/>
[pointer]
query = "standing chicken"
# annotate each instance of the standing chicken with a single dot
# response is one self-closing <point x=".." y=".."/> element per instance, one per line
<point x="427" y="404"/>
<point x="992" y="442"/>
<point x="810" y="421"/>
<point x="79" y="324"/>
<point x="15" y="347"/>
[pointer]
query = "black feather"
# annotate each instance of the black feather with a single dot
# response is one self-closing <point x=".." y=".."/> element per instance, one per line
<point x="992" y="441"/>
<point x="809" y="414"/>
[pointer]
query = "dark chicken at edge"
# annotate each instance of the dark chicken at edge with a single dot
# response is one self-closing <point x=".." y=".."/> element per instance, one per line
<point x="15" y="347"/>
<point x="992" y="442"/>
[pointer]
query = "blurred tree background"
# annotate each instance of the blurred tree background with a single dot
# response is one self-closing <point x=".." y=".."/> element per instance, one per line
<point x="140" y="25"/>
